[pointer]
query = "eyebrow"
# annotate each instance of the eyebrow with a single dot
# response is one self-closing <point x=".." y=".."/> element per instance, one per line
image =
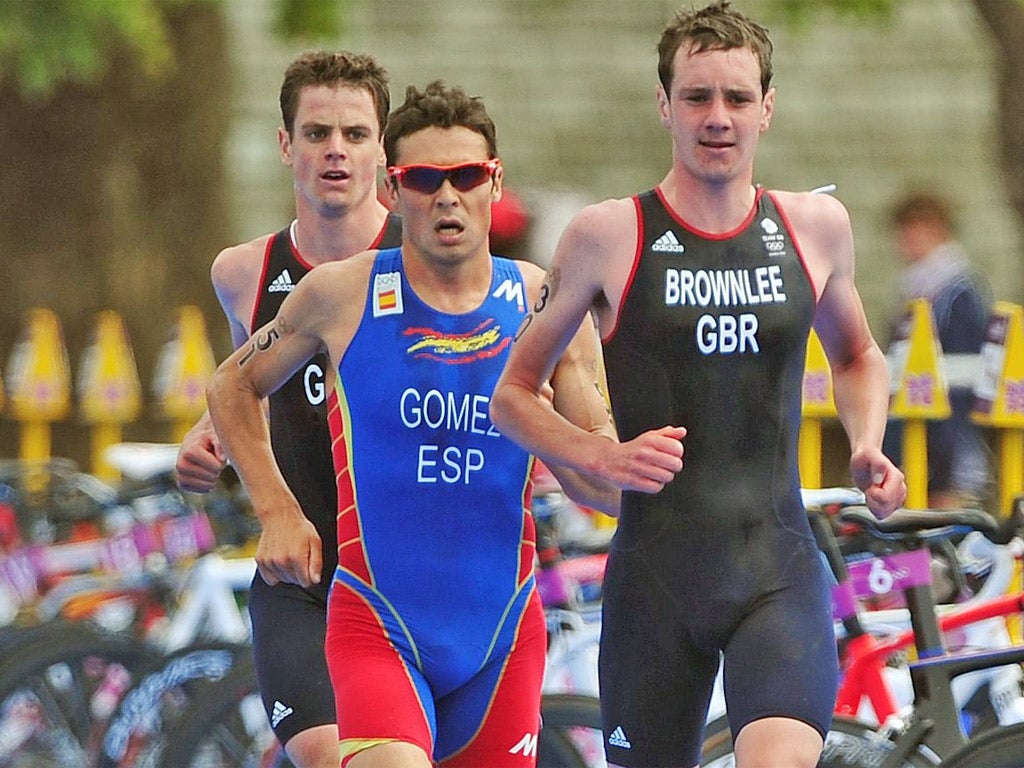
<point x="729" y="90"/>
<point x="330" y="125"/>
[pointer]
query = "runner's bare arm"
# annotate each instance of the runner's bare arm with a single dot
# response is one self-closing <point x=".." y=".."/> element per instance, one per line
<point x="289" y="546"/>
<point x="580" y="394"/>
<point x="859" y="370"/>
<point x="584" y="265"/>
<point x="235" y="275"/>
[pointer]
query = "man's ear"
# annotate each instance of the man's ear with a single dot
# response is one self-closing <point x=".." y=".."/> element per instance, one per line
<point x="391" y="186"/>
<point x="767" y="109"/>
<point x="664" y="107"/>
<point x="284" y="142"/>
<point x="499" y="176"/>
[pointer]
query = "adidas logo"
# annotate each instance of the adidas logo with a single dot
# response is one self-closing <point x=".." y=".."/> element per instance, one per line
<point x="280" y="710"/>
<point x="618" y="739"/>
<point x="282" y="283"/>
<point x="667" y="243"/>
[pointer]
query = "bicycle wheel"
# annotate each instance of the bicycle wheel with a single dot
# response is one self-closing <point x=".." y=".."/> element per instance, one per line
<point x="57" y="692"/>
<point x="171" y="687"/>
<point x="229" y="729"/>
<point x="997" y="748"/>
<point x="570" y="734"/>
<point x="849" y="744"/>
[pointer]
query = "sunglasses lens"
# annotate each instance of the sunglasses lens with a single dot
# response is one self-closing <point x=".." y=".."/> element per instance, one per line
<point x="469" y="176"/>
<point x="425" y="180"/>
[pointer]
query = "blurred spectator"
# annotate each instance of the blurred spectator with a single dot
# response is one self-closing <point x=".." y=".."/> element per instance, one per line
<point x="510" y="221"/>
<point x="936" y="268"/>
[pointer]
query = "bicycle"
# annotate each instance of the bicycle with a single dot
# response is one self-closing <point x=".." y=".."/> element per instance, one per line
<point x="137" y="571"/>
<point x="873" y="686"/>
<point x="58" y="681"/>
<point x="933" y="729"/>
<point x="68" y="688"/>
<point x="998" y="748"/>
<point x="205" y="637"/>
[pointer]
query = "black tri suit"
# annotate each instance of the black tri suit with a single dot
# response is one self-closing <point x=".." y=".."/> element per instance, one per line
<point x="289" y="622"/>
<point x="711" y="336"/>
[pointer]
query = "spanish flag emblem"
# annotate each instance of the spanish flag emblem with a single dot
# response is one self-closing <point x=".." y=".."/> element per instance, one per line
<point x="387" y="294"/>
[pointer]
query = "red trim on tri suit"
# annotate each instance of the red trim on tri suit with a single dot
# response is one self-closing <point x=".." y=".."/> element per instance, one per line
<point x="527" y="546"/>
<point x="366" y="667"/>
<point x="711" y="235"/>
<point x="380" y="235"/>
<point x="295" y="248"/>
<point x="632" y="272"/>
<point x="259" y="284"/>
<point x="796" y="244"/>
<point x="349" y="532"/>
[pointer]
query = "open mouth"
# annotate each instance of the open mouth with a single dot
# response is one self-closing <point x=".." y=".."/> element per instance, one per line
<point x="449" y="227"/>
<point x="335" y="175"/>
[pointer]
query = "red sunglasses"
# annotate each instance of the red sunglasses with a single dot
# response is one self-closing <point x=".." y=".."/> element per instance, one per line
<point x="429" y="178"/>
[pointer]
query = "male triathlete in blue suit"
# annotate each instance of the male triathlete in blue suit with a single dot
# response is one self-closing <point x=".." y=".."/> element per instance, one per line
<point x="436" y="640"/>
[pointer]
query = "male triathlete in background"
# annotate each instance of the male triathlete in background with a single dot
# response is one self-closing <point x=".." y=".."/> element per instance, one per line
<point x="334" y="107"/>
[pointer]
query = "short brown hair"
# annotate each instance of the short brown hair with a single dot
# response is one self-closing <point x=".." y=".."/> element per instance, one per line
<point x="922" y="206"/>
<point x="441" y="106"/>
<point x="717" y="27"/>
<point x="334" y="68"/>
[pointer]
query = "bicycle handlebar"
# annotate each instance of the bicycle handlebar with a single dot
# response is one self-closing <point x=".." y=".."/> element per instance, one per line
<point x="142" y="461"/>
<point x="904" y="523"/>
<point x="823" y="497"/>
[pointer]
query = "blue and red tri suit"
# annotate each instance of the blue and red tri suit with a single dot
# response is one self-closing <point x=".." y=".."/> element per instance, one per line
<point x="435" y="633"/>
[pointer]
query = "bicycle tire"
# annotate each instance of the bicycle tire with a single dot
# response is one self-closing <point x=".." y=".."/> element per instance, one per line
<point x="1001" y="747"/>
<point x="849" y="744"/>
<point x="136" y="734"/>
<point x="14" y="637"/>
<point x="570" y="734"/>
<point x="57" y="690"/>
<point x="229" y="729"/>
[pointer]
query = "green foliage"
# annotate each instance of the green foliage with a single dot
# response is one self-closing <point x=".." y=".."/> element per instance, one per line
<point x="801" y="12"/>
<point x="46" y="43"/>
<point x="309" y="19"/>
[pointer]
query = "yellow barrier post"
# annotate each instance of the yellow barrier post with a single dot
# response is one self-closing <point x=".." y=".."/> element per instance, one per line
<point x="818" y="404"/>
<point x="39" y="383"/>
<point x="999" y="395"/>
<point x="920" y="394"/>
<point x="999" y="403"/>
<point x="183" y="369"/>
<point x="109" y="391"/>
